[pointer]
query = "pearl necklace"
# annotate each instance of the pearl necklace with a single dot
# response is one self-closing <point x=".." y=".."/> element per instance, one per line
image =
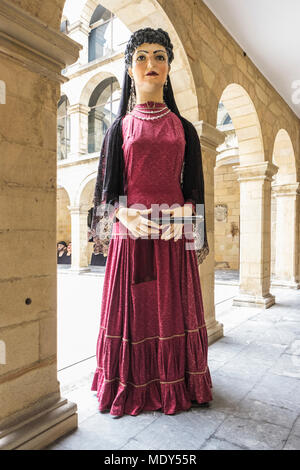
<point x="150" y="112"/>
<point x="150" y="118"/>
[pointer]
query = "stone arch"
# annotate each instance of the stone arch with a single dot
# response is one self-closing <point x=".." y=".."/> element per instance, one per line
<point x="284" y="158"/>
<point x="85" y="192"/>
<point x="253" y="175"/>
<point x="88" y="9"/>
<point x="285" y="214"/>
<point x="92" y="83"/>
<point x="246" y="123"/>
<point x="64" y="93"/>
<point x="135" y="15"/>
<point x="226" y="196"/>
<point x="82" y="204"/>
<point x="63" y="226"/>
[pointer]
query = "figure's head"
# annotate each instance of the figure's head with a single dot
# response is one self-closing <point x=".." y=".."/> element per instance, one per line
<point x="149" y="50"/>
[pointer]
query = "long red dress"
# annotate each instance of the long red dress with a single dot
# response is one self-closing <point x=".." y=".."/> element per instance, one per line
<point x="152" y="343"/>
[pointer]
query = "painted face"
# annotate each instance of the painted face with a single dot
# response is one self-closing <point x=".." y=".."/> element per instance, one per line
<point x="149" y="58"/>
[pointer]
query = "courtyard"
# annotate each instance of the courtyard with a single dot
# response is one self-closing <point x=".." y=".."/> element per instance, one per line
<point x="255" y="371"/>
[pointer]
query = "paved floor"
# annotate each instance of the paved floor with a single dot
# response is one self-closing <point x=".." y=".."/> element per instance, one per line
<point x="255" y="371"/>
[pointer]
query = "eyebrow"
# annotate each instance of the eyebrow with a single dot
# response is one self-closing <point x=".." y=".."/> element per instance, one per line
<point x="159" y="50"/>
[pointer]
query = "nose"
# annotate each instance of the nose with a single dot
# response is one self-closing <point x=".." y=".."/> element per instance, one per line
<point x="151" y="60"/>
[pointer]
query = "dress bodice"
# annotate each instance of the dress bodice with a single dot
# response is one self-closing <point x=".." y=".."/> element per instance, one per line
<point x="153" y="155"/>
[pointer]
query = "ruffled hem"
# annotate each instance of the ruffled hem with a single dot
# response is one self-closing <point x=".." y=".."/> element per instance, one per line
<point x="143" y="386"/>
<point x="122" y="399"/>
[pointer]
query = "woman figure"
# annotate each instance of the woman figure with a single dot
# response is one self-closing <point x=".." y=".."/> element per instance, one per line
<point x="152" y="343"/>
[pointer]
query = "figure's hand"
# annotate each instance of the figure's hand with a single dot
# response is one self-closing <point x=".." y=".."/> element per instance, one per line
<point x="175" y="230"/>
<point x="134" y="221"/>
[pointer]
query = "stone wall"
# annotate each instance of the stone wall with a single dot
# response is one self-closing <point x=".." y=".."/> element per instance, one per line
<point x="28" y="289"/>
<point x="227" y="195"/>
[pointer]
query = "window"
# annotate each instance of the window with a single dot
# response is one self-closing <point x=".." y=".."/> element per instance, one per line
<point x="63" y="129"/>
<point x="104" y="103"/>
<point x="223" y="118"/>
<point x="64" y="26"/>
<point x="107" y="34"/>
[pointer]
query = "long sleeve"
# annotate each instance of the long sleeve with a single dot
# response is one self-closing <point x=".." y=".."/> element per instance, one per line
<point x="192" y="177"/>
<point x="109" y="186"/>
<point x="192" y="185"/>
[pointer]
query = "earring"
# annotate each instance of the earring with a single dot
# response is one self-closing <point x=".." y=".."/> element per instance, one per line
<point x="166" y="83"/>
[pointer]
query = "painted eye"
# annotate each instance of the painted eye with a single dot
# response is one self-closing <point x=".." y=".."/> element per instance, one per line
<point x="140" y="56"/>
<point x="161" y="56"/>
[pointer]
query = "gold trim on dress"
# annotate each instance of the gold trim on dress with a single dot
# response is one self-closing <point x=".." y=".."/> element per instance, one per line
<point x="153" y="380"/>
<point x="154" y="337"/>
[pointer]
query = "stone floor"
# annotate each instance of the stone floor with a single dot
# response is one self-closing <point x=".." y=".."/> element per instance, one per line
<point x="255" y="371"/>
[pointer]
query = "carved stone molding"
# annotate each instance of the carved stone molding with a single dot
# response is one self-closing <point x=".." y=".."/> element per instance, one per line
<point x="291" y="189"/>
<point x="210" y="137"/>
<point x="256" y="171"/>
<point x="221" y="212"/>
<point x="32" y="43"/>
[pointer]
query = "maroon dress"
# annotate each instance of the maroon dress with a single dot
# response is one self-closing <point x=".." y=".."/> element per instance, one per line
<point x="152" y="343"/>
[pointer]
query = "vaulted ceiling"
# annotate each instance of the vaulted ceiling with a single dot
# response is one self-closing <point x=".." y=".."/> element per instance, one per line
<point x="268" y="31"/>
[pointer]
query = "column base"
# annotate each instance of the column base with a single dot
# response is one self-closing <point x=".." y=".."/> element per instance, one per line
<point x="214" y="332"/>
<point x="246" y="300"/>
<point x="41" y="429"/>
<point x="287" y="284"/>
<point x="79" y="270"/>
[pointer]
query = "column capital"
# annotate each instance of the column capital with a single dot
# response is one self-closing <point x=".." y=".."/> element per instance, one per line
<point x="290" y="189"/>
<point x="256" y="171"/>
<point x="79" y="26"/>
<point x="78" y="108"/>
<point x="33" y="44"/>
<point x="210" y="136"/>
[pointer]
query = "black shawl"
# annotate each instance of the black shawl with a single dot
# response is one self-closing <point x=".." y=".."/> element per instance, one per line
<point x="110" y="181"/>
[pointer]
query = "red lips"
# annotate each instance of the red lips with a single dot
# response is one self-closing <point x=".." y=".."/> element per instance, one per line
<point x="152" y="73"/>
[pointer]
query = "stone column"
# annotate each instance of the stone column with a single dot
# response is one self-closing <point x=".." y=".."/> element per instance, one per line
<point x="255" y="234"/>
<point x="210" y="139"/>
<point x="79" y="31"/>
<point x="32" y="412"/>
<point x="78" y="130"/>
<point x="79" y="238"/>
<point x="287" y="235"/>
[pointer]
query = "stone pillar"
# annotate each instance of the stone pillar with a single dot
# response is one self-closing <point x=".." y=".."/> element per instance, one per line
<point x="32" y="412"/>
<point x="78" y="130"/>
<point x="79" y="31"/>
<point x="255" y="234"/>
<point x="287" y="241"/>
<point x="79" y="238"/>
<point x="210" y="139"/>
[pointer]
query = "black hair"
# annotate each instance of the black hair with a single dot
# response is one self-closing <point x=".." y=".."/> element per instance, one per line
<point x="151" y="36"/>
